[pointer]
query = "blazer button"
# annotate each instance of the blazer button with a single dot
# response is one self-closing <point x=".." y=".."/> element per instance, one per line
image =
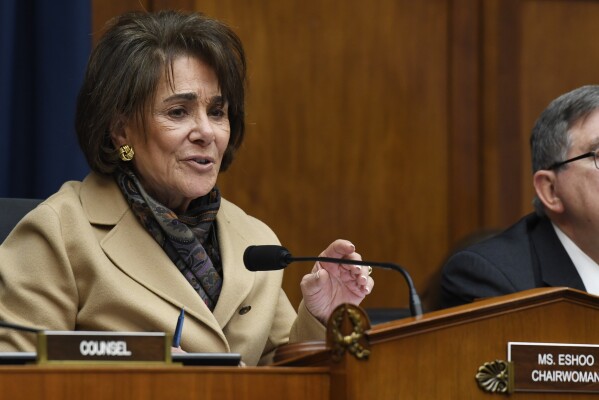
<point x="244" y="310"/>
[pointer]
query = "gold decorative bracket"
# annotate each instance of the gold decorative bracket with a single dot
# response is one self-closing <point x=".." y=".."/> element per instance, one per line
<point x="345" y="332"/>
<point x="496" y="377"/>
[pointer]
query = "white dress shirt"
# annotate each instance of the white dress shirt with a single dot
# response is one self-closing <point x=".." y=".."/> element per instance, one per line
<point x="587" y="268"/>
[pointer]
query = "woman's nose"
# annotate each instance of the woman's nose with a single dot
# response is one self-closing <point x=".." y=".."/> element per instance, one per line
<point x="203" y="131"/>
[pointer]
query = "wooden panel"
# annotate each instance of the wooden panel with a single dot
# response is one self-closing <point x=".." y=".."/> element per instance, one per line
<point x="103" y="10"/>
<point x="126" y="382"/>
<point x="187" y="5"/>
<point x="534" y="50"/>
<point x="464" y="120"/>
<point x="501" y="112"/>
<point x="438" y="355"/>
<point x="464" y="173"/>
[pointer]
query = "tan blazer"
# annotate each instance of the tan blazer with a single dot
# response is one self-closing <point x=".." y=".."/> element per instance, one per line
<point x="82" y="261"/>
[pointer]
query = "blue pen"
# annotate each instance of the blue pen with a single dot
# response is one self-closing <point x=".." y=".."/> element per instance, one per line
<point x="179" y="329"/>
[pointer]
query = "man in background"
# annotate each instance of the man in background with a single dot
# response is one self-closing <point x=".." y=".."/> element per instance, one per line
<point x="558" y="244"/>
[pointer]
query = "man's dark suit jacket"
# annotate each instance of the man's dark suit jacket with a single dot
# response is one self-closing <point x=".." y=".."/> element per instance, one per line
<point x="527" y="255"/>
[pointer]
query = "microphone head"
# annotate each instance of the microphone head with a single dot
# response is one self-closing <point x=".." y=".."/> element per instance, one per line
<point x="266" y="258"/>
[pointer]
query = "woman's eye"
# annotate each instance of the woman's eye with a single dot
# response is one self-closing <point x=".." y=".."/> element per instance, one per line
<point x="217" y="112"/>
<point x="177" y="113"/>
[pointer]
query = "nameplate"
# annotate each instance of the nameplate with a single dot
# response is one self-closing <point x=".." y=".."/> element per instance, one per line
<point x="555" y="367"/>
<point x="102" y="347"/>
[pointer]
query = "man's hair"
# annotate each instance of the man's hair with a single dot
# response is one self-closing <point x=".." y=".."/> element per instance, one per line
<point x="126" y="66"/>
<point x="550" y="137"/>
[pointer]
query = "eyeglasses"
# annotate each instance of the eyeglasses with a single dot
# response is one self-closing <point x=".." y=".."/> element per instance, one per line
<point x="594" y="154"/>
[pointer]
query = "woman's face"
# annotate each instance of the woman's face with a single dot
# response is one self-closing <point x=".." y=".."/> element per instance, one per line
<point x="179" y="156"/>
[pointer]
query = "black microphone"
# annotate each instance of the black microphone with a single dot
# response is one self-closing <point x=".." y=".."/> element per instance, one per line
<point x="272" y="257"/>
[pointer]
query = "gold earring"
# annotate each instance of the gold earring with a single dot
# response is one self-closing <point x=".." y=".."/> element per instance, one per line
<point x="126" y="152"/>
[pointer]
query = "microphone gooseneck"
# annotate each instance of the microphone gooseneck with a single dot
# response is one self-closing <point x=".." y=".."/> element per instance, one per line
<point x="272" y="257"/>
<point x="10" y="325"/>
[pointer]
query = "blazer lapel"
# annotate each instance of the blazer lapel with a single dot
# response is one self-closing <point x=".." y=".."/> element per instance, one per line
<point x="137" y="254"/>
<point x="238" y="280"/>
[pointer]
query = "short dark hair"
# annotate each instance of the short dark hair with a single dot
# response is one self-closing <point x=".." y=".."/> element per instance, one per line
<point x="125" y="68"/>
<point x="550" y="137"/>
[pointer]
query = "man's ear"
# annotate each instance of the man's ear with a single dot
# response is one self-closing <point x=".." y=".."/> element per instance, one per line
<point x="544" y="183"/>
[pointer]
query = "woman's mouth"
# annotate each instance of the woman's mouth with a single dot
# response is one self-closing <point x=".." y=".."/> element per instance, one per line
<point x="203" y="161"/>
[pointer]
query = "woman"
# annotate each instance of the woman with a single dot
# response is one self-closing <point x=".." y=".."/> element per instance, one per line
<point x="160" y="114"/>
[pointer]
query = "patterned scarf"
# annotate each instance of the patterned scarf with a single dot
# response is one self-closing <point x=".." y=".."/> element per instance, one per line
<point x="183" y="238"/>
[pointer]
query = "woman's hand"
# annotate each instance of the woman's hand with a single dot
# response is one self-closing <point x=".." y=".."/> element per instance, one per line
<point x="330" y="285"/>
